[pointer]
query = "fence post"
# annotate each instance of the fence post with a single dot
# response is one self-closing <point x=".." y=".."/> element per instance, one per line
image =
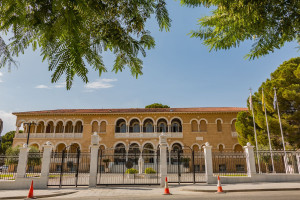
<point x="95" y="139"/>
<point x="208" y="163"/>
<point x="23" y="157"/>
<point x="163" y="158"/>
<point x="46" y="163"/>
<point x="250" y="160"/>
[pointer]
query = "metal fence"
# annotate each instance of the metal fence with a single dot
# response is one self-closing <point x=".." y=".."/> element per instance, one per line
<point x="186" y="167"/>
<point x="279" y="158"/>
<point x="123" y="169"/>
<point x="229" y="164"/>
<point x="34" y="164"/>
<point x="8" y="167"/>
<point x="69" y="169"/>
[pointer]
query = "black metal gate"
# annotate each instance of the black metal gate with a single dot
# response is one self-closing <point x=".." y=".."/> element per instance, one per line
<point x="133" y="168"/>
<point x="186" y="167"/>
<point x="69" y="169"/>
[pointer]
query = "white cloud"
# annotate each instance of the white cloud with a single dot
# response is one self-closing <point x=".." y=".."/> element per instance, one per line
<point x="9" y="121"/>
<point x="60" y="85"/>
<point x="109" y="79"/>
<point x="42" y="87"/>
<point x="100" y="84"/>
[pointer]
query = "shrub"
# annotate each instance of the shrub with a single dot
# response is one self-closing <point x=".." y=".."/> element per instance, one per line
<point x="131" y="171"/>
<point x="150" y="170"/>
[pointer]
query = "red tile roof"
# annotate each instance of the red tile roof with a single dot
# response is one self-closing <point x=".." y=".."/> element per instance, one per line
<point x="132" y="110"/>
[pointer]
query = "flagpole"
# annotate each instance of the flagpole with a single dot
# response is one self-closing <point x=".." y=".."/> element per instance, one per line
<point x="283" y="143"/>
<point x="251" y="107"/>
<point x="273" y="169"/>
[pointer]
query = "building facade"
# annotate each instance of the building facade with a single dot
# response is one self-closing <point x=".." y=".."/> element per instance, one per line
<point x="131" y="128"/>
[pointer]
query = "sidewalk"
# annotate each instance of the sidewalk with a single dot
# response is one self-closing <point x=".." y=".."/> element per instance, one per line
<point x="117" y="191"/>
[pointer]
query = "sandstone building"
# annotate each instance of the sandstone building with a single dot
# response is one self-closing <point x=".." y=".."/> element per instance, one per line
<point x="127" y="128"/>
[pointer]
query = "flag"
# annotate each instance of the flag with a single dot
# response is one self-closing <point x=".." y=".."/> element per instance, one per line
<point x="263" y="101"/>
<point x="250" y="101"/>
<point x="275" y="100"/>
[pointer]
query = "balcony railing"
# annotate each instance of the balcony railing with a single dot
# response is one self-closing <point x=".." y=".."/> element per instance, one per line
<point x="50" y="135"/>
<point x="147" y="135"/>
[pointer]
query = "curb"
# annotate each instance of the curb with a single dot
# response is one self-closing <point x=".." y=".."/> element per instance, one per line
<point x="39" y="196"/>
<point x="245" y="190"/>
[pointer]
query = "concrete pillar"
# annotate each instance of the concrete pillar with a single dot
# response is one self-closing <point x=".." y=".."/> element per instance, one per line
<point x="46" y="163"/>
<point x="208" y="163"/>
<point x="95" y="139"/>
<point x="23" y="157"/>
<point x="163" y="158"/>
<point x="141" y="164"/>
<point x="250" y="160"/>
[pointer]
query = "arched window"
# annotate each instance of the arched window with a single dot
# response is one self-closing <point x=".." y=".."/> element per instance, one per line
<point x="50" y="127"/>
<point x="194" y="125"/>
<point x="148" y="153"/>
<point x="73" y="148"/>
<point x="177" y="147"/>
<point x="95" y="127"/>
<point x="162" y="126"/>
<point x="119" y="154"/>
<point x="233" y="126"/>
<point x="176" y="126"/>
<point x="203" y="126"/>
<point x="35" y="145"/>
<point x="195" y="148"/>
<point x="238" y="148"/>
<point x="69" y="127"/>
<point x="59" y="127"/>
<point x="148" y="126"/>
<point x="121" y="126"/>
<point x="78" y="127"/>
<point x="219" y="125"/>
<point x="103" y="127"/>
<point x="134" y="126"/>
<point x="40" y="127"/>
<point x="60" y="147"/>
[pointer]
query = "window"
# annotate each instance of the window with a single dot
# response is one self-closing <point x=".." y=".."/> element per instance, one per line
<point x="238" y="148"/>
<point x="50" y="127"/>
<point x="148" y="126"/>
<point x="240" y="168"/>
<point x="162" y="126"/>
<point x="233" y="126"/>
<point x="176" y="126"/>
<point x="40" y="128"/>
<point x="95" y="127"/>
<point x="194" y="126"/>
<point x="78" y="127"/>
<point x="59" y="127"/>
<point x="221" y="147"/>
<point x="120" y="126"/>
<point x="123" y="128"/>
<point x="134" y="126"/>
<point x="222" y="168"/>
<point x="219" y="125"/>
<point x="103" y="127"/>
<point x="203" y="126"/>
<point x="69" y="127"/>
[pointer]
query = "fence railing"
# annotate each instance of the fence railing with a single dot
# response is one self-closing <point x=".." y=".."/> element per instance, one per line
<point x="279" y="158"/>
<point x="8" y="167"/>
<point x="34" y="164"/>
<point x="229" y="164"/>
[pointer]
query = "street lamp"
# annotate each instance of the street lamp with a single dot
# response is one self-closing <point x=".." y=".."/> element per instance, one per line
<point x="29" y="124"/>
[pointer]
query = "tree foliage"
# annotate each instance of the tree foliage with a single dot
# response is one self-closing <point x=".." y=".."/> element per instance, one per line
<point x="286" y="79"/>
<point x="7" y="141"/>
<point x="74" y="34"/>
<point x="157" y="105"/>
<point x="269" y="23"/>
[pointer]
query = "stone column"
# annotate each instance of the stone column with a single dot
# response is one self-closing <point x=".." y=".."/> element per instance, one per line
<point x="250" y="160"/>
<point x="141" y="164"/>
<point x="208" y="163"/>
<point x="23" y="157"/>
<point x="46" y="163"/>
<point x="163" y="158"/>
<point x="93" y="161"/>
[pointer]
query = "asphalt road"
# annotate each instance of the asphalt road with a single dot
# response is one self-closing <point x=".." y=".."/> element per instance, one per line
<point x="276" y="195"/>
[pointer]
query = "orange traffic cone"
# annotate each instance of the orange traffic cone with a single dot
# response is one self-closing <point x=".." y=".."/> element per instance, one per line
<point x="30" y="193"/>
<point x="167" y="191"/>
<point x="219" y="186"/>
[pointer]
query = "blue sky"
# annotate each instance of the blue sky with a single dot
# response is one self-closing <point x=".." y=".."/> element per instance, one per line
<point x="179" y="71"/>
